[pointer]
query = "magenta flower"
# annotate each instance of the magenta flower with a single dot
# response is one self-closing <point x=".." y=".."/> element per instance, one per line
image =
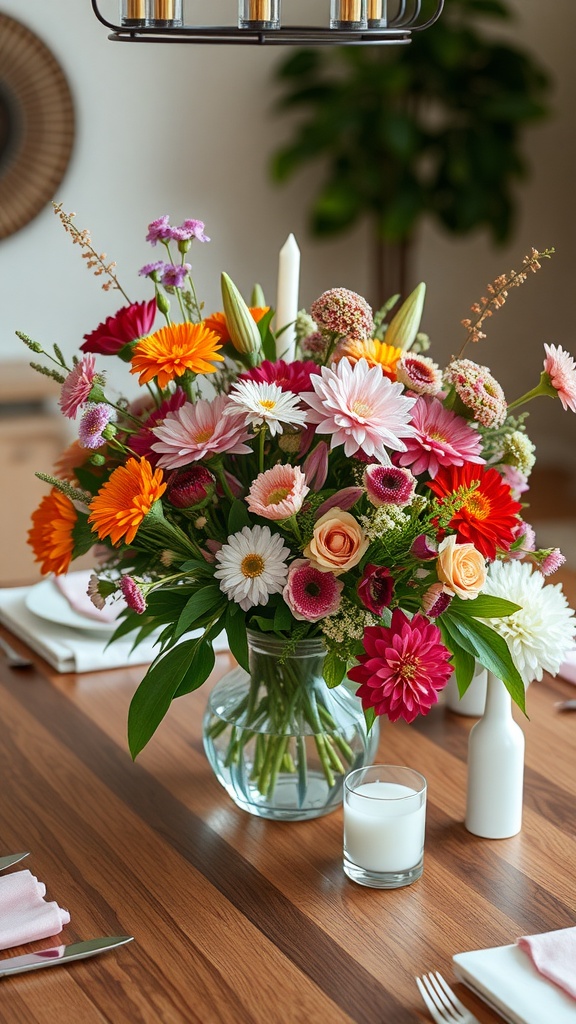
<point x="92" y="425"/>
<point x="200" y="431"/>
<point x="127" y="325"/>
<point x="441" y="439"/>
<point x="361" y="409"/>
<point x="376" y="588"/>
<point x="191" y="488"/>
<point x="404" y="667"/>
<point x="77" y="386"/>
<point x="293" y="377"/>
<point x="278" y="493"/>
<point x="310" y="594"/>
<point x="174" y="277"/>
<point x="424" y="548"/>
<point x="389" y="485"/>
<point x="132" y="594"/>
<point x="561" y="369"/>
<point x="436" y="600"/>
<point x="141" y="443"/>
<point x="341" y="311"/>
<point x="190" y="229"/>
<point x="153" y="270"/>
<point x="159" y="230"/>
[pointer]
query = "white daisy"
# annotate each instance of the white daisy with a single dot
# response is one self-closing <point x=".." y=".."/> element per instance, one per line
<point x="541" y="633"/>
<point x="252" y="566"/>
<point x="265" y="403"/>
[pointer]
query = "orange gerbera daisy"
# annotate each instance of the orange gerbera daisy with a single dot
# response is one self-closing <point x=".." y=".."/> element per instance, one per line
<point x="125" y="499"/>
<point x="50" y="536"/>
<point x="217" y="322"/>
<point x="172" y="350"/>
<point x="376" y="353"/>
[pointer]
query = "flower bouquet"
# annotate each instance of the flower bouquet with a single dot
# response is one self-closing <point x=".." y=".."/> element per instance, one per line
<point x="358" y="498"/>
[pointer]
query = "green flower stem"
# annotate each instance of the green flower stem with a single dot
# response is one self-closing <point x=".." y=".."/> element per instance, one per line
<point x="261" y="443"/>
<point x="545" y="387"/>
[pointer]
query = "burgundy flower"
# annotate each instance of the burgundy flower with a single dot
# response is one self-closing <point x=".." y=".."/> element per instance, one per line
<point x="191" y="488"/>
<point x="128" y="324"/>
<point x="141" y="443"/>
<point x="132" y="594"/>
<point x="288" y="376"/>
<point x="375" y="588"/>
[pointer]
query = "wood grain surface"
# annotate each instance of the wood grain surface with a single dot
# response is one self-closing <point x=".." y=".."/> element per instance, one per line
<point x="243" y="921"/>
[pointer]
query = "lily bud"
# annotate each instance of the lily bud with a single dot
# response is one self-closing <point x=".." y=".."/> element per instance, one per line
<point x="242" y="328"/>
<point x="257" y="299"/>
<point x="316" y="467"/>
<point x="405" y="325"/>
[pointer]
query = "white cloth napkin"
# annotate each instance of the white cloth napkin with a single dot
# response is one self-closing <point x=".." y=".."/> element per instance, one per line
<point x="25" y="915"/>
<point x="71" y="650"/>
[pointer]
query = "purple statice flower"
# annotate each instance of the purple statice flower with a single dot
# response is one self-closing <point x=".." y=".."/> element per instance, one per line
<point x="190" y="229"/>
<point x="159" y="230"/>
<point x="153" y="270"/>
<point x="174" y="277"/>
<point x="132" y="594"/>
<point x="93" y="423"/>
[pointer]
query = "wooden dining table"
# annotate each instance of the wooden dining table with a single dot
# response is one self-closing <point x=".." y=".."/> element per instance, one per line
<point x="245" y="921"/>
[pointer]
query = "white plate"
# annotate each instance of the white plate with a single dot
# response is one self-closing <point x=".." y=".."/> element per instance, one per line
<point x="46" y="601"/>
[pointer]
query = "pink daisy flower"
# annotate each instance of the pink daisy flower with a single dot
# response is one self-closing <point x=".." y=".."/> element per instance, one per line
<point x="293" y="377"/>
<point x="341" y="311"/>
<point x="200" y="431"/>
<point x="389" y="485"/>
<point x="404" y="667"/>
<point x="77" y="386"/>
<point x="561" y="369"/>
<point x="278" y="493"/>
<point x="361" y="409"/>
<point x="310" y="594"/>
<point x="441" y="439"/>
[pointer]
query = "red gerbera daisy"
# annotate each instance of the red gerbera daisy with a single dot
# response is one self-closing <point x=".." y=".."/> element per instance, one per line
<point x="488" y="519"/>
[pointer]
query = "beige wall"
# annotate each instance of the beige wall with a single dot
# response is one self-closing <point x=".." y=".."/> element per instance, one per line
<point x="188" y="130"/>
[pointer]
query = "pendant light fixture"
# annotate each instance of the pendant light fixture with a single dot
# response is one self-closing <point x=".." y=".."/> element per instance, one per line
<point x="347" y="23"/>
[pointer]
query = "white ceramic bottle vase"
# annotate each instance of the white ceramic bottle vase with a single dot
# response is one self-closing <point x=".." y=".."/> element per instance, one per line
<point x="474" y="700"/>
<point x="495" y="768"/>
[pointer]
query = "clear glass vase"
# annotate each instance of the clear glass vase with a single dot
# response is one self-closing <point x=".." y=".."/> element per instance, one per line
<point x="278" y="739"/>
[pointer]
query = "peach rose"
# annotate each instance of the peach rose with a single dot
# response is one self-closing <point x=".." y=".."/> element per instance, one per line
<point x="338" y="542"/>
<point x="461" y="568"/>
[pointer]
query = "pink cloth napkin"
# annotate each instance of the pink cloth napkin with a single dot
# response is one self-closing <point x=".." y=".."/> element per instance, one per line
<point x="24" y="913"/>
<point x="74" y="586"/>
<point x="567" y="669"/>
<point x="554" y="956"/>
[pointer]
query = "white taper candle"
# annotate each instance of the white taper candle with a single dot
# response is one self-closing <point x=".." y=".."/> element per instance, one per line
<point x="287" y="298"/>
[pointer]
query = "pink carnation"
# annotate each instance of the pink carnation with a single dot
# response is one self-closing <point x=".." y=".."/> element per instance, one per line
<point x="404" y="667"/>
<point x="128" y="324"/>
<point x="441" y="439"/>
<point x="77" y="386"/>
<point x="309" y="593"/>
<point x="278" y="493"/>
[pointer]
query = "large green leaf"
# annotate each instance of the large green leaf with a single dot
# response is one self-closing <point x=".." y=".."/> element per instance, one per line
<point x="484" y="607"/>
<point x="463" y="660"/>
<point x="334" y="669"/>
<point x="197" y="605"/>
<point x="238" y="516"/>
<point x="492" y="651"/>
<point x="235" y="627"/>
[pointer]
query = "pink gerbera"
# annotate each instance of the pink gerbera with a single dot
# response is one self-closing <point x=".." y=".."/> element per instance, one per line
<point x="310" y="594"/>
<point x="278" y="493"/>
<point x="442" y="438"/>
<point x="404" y="667"/>
<point x="561" y="368"/>
<point x="293" y="377"/>
<point x="77" y="386"/>
<point x="361" y="409"/>
<point x="200" y="431"/>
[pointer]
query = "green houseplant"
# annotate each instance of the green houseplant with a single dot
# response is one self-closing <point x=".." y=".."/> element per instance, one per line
<point x="430" y="129"/>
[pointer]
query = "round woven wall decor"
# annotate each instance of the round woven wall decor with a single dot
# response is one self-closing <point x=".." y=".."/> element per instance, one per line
<point x="36" y="125"/>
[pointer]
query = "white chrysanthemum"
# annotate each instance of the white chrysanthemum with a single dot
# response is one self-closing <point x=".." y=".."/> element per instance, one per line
<point x="265" y="403"/>
<point x="541" y="633"/>
<point x="252" y="566"/>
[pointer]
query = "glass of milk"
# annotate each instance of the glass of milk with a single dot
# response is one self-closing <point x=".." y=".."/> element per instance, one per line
<point x="384" y="823"/>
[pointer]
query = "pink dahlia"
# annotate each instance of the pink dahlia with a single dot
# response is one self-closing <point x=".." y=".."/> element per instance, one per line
<point x="77" y="386"/>
<point x="376" y="588"/>
<point x="404" y="667"/>
<point x="341" y="311"/>
<point x="200" y="431"/>
<point x="389" y="485"/>
<point x="278" y="493"/>
<point x="141" y="443"/>
<point x="128" y="324"/>
<point x="561" y="369"/>
<point x="441" y="439"/>
<point x="310" y="594"/>
<point x="361" y="409"/>
<point x="293" y="377"/>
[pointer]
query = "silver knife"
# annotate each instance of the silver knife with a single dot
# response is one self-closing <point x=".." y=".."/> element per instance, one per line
<point x="60" y="954"/>
<point x="12" y="858"/>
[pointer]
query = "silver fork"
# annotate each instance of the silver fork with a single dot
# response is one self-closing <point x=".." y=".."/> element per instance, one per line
<point x="443" y="1005"/>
